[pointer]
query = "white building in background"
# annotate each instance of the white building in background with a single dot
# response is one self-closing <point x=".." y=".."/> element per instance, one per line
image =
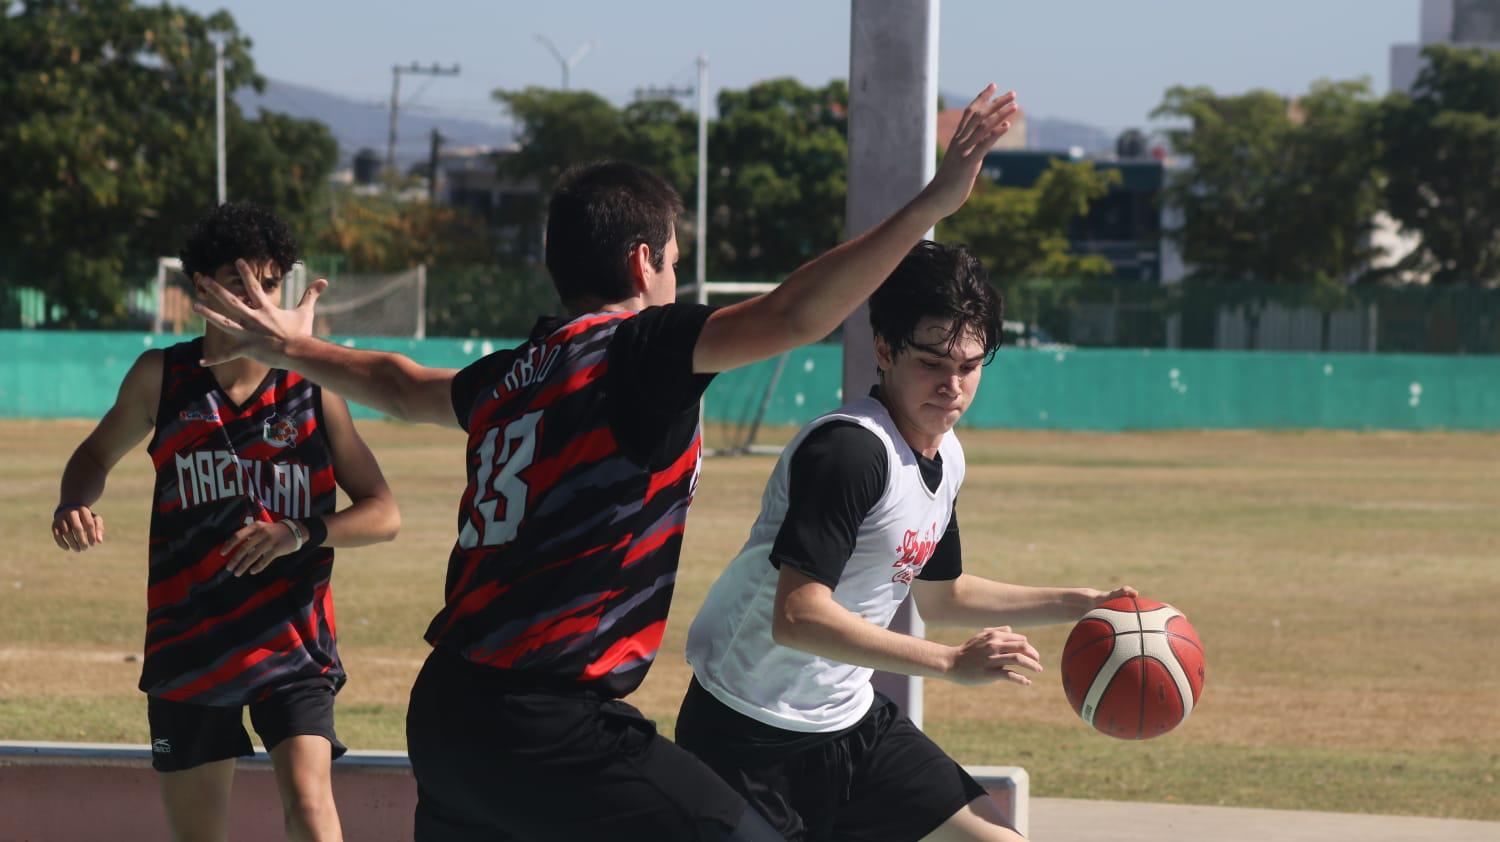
<point x="1469" y="23"/>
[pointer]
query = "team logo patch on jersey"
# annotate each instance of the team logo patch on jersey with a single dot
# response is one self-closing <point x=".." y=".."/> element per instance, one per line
<point x="199" y="415"/>
<point x="279" y="431"/>
<point x="916" y="548"/>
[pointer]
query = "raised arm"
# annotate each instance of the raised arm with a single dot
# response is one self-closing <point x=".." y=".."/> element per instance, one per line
<point x="390" y="383"/>
<point x="817" y="297"/>
<point x="75" y="525"/>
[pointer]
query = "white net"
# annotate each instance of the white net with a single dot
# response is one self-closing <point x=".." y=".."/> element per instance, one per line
<point x="390" y="304"/>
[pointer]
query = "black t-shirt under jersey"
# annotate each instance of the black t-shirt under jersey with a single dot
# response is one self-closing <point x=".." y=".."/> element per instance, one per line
<point x="837" y="476"/>
<point x="650" y="380"/>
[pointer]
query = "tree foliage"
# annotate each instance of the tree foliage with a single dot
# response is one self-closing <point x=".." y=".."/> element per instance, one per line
<point x="1440" y="152"/>
<point x="1275" y="191"/>
<point x="107" y="148"/>
<point x="1022" y="232"/>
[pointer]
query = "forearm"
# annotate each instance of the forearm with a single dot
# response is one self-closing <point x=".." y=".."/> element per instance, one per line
<point x="389" y="383"/>
<point x="82" y="480"/>
<point x="981" y="602"/>
<point x="371" y="520"/>
<point x="817" y="297"/>
<point x="841" y="636"/>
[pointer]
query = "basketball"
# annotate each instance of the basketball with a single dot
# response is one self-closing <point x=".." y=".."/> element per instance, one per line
<point x="1133" y="668"/>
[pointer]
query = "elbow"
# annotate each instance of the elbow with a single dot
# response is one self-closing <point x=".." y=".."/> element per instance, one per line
<point x="392" y="523"/>
<point x="790" y="626"/>
<point x="387" y="524"/>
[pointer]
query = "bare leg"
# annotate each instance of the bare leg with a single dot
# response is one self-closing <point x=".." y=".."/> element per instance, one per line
<point x="979" y="821"/>
<point x="197" y="801"/>
<point x="304" y="775"/>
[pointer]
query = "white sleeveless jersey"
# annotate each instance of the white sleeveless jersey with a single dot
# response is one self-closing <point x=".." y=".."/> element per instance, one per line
<point x="730" y="646"/>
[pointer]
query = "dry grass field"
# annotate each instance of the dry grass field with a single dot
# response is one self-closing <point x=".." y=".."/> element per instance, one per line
<point x="1346" y="587"/>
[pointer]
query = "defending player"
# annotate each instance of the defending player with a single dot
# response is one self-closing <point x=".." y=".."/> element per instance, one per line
<point x="858" y="512"/>
<point x="582" y="458"/>
<point x="239" y="610"/>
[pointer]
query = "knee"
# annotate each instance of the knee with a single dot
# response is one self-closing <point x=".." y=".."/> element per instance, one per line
<point x="309" y="805"/>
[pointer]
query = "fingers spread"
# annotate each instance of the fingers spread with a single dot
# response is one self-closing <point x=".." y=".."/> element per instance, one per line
<point x="310" y="295"/>
<point x="251" y="281"/>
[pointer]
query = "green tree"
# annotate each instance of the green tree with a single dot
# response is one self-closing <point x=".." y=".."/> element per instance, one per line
<point x="558" y="129"/>
<point x="107" y="151"/>
<point x="778" y="158"/>
<point x="1440" y="152"/>
<point x="1020" y="233"/>
<point x="1275" y="191"/>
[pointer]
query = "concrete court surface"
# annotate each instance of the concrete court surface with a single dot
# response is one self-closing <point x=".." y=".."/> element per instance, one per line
<point x="1074" y="820"/>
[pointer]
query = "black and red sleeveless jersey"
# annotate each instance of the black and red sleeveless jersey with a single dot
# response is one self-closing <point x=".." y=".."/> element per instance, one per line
<point x="212" y="638"/>
<point x="568" y="537"/>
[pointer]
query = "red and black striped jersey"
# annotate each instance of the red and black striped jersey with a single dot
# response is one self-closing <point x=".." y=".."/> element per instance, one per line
<point x="212" y="638"/>
<point x="583" y="456"/>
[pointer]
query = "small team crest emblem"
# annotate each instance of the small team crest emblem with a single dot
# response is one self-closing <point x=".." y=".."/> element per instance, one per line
<point x="279" y="431"/>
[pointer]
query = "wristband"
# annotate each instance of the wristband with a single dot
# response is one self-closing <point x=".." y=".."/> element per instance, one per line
<point x="297" y="534"/>
<point x="317" y="531"/>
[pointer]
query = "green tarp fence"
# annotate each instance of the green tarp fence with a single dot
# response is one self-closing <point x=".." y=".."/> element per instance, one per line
<point x="48" y="374"/>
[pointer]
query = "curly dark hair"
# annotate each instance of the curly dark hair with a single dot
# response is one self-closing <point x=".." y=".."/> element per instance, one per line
<point x="238" y="231"/>
<point x="942" y="282"/>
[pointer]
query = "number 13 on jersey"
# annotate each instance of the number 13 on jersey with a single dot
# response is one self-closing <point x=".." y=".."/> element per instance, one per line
<point x="498" y="482"/>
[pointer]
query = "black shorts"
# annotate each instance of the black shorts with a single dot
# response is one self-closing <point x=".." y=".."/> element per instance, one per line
<point x="496" y="760"/>
<point x="880" y="779"/>
<point x="184" y="735"/>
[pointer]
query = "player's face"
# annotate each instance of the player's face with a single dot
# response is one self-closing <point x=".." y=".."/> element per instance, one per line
<point x="928" y="385"/>
<point x="228" y="277"/>
<point x="661" y="287"/>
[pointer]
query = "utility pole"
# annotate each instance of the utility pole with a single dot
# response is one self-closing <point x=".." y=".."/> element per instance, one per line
<point x="221" y="158"/>
<point x="396" y="71"/>
<point x="567" y="64"/>
<point x="432" y="166"/>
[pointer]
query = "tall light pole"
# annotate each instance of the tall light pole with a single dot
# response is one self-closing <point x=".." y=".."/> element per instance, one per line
<point x="700" y="250"/>
<point x="219" y="117"/>
<point x="567" y="64"/>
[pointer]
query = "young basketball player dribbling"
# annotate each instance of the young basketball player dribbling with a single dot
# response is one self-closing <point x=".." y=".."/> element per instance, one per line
<point x="859" y="512"/>
<point x="582" y="459"/>
<point x="239" y="611"/>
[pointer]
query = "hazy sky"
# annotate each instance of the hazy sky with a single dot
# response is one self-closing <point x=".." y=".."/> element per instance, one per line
<point x="1103" y="62"/>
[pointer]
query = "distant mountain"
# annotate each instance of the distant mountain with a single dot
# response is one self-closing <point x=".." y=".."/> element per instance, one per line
<point x="357" y="124"/>
<point x="1052" y="132"/>
<point x="1059" y="133"/>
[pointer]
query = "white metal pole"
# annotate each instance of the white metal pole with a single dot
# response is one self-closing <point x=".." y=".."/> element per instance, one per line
<point x="701" y="249"/>
<point x="219" y="116"/>
<point x="421" y="300"/>
<point x="893" y="52"/>
<point x="161" y="297"/>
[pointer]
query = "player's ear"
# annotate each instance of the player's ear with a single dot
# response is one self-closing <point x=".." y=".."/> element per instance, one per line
<point x="884" y="358"/>
<point x="639" y="264"/>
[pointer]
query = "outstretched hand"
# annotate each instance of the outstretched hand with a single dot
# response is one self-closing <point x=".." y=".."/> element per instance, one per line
<point x="983" y="123"/>
<point x="259" y="329"/>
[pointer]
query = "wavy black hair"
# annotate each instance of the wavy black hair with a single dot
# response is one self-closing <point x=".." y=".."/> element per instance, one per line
<point x="941" y="282"/>
<point x="599" y="213"/>
<point x="238" y="231"/>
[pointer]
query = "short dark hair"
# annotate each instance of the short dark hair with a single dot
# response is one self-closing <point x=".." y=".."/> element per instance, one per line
<point x="941" y="282"/>
<point x="238" y="231"/>
<point x="598" y="214"/>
